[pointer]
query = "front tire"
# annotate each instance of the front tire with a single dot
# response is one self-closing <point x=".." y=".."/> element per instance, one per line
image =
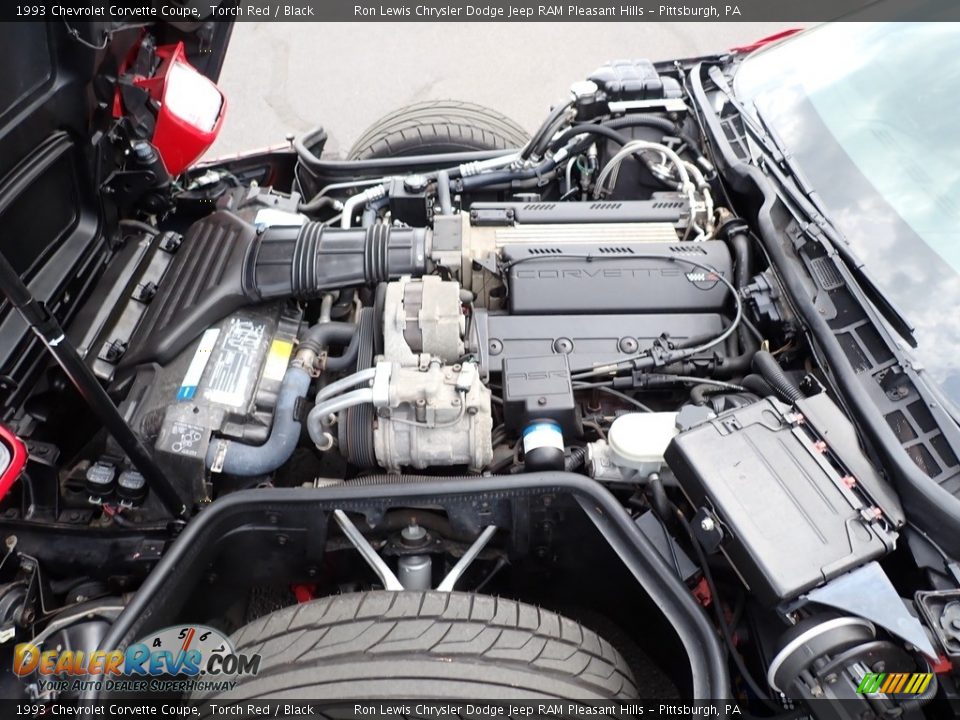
<point x="438" y="126"/>
<point x="426" y="645"/>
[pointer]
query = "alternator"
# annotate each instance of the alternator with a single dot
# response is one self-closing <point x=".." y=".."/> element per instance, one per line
<point x="422" y="317"/>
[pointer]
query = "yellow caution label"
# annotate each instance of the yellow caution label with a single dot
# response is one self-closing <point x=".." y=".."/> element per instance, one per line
<point x="277" y="360"/>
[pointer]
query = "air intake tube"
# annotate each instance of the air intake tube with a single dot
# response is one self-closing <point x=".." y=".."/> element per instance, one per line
<point x="302" y="262"/>
<point x="228" y="263"/>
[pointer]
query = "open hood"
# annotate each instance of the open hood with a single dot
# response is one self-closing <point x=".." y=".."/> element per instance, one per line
<point x="85" y="110"/>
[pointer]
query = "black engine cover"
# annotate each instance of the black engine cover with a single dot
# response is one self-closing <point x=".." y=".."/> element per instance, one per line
<point x="649" y="278"/>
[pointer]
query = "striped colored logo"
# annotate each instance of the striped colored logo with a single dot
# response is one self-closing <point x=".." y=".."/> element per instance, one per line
<point x="894" y="683"/>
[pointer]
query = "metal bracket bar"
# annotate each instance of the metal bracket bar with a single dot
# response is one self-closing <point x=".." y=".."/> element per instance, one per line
<point x="467" y="560"/>
<point x="160" y="599"/>
<point x="363" y="547"/>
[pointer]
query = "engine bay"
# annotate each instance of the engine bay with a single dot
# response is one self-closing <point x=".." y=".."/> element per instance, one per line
<point x="592" y="307"/>
<point x="479" y="300"/>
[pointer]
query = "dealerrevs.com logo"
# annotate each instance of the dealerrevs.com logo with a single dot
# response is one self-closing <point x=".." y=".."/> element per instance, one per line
<point x="181" y="658"/>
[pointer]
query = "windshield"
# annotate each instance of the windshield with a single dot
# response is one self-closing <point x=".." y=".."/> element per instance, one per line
<point x="870" y="113"/>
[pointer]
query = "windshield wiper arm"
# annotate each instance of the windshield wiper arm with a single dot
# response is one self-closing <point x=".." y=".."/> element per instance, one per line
<point x="802" y="194"/>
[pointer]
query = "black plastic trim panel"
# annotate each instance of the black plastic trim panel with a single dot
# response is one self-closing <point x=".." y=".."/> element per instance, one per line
<point x="904" y="418"/>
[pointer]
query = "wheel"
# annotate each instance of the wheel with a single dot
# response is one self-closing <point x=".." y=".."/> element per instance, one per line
<point x="438" y="126"/>
<point x="425" y="645"/>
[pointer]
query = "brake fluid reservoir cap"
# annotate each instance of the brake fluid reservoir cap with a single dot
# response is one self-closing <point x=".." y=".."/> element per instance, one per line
<point x="638" y="440"/>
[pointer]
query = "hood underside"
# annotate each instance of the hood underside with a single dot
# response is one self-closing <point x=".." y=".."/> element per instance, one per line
<point x="58" y="149"/>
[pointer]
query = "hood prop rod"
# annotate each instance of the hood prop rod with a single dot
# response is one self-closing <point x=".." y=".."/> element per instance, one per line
<point x="46" y="327"/>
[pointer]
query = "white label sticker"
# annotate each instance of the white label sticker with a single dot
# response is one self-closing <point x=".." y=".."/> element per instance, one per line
<point x="234" y="370"/>
<point x="280" y="218"/>
<point x="188" y="386"/>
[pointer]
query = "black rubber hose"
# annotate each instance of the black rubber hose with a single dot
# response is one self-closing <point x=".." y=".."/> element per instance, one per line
<point x="589" y="129"/>
<point x="503" y="176"/>
<point x="344" y="303"/>
<point x="742" y="272"/>
<point x="140" y="226"/>
<point x="699" y="394"/>
<point x="236" y="458"/>
<point x="651" y="121"/>
<point x="736" y="365"/>
<point x="348" y="359"/>
<point x="757" y="385"/>
<point x="743" y="265"/>
<point x="767" y="366"/>
<point x="575" y="460"/>
<point x="323" y="335"/>
<point x="302" y="143"/>
<point x="539" y="141"/>
<point x="659" y="501"/>
<point x="658" y="123"/>
<point x="319" y="203"/>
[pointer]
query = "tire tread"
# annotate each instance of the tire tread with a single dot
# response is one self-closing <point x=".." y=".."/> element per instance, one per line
<point x="426" y="628"/>
<point x="437" y="126"/>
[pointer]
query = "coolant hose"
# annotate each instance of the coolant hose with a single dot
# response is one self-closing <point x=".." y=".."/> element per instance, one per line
<point x="768" y="367"/>
<point x="742" y="269"/>
<point x="323" y="335"/>
<point x="348" y="359"/>
<point x="235" y="458"/>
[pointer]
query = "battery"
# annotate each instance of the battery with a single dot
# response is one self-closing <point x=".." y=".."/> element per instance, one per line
<point x="225" y="384"/>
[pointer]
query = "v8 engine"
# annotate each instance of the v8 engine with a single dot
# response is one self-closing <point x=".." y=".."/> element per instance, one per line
<point x="597" y="283"/>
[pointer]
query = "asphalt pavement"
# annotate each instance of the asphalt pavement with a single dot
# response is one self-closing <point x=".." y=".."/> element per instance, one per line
<point x="283" y="78"/>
